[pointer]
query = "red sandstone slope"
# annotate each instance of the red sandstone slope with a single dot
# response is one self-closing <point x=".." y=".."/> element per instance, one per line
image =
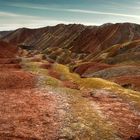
<point x="45" y="37"/>
<point x="4" y="33"/>
<point x="20" y="35"/>
<point x="96" y="39"/>
<point x="78" y="38"/>
<point x="119" y="63"/>
<point x="7" y="50"/>
<point x="58" y="36"/>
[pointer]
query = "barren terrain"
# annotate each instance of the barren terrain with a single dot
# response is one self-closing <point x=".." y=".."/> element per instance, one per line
<point x="89" y="95"/>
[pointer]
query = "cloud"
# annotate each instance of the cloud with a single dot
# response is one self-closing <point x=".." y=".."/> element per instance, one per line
<point x="14" y="15"/>
<point x="42" y="7"/>
<point x="133" y="6"/>
<point x="7" y="14"/>
<point x="9" y="20"/>
<point x="137" y="2"/>
<point x="35" y="23"/>
<point x="103" y="13"/>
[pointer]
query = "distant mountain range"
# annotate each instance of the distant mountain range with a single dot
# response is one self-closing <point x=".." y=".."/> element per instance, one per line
<point x="109" y="51"/>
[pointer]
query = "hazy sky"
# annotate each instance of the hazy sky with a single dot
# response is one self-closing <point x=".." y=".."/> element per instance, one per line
<point x="38" y="13"/>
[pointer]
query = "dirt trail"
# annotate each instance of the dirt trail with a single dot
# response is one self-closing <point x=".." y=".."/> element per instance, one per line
<point x="78" y="117"/>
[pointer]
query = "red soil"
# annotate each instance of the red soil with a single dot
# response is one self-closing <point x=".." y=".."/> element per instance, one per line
<point x="125" y="118"/>
<point x="26" y="112"/>
<point x="16" y="79"/>
<point x="71" y="85"/>
<point x="27" y="115"/>
<point x="10" y="74"/>
<point x="10" y="66"/>
<point x="46" y="66"/>
<point x="128" y="81"/>
<point x="54" y="74"/>
<point x="90" y="67"/>
<point x="7" y="50"/>
<point x="36" y="59"/>
<point x="10" y="61"/>
<point x="96" y="67"/>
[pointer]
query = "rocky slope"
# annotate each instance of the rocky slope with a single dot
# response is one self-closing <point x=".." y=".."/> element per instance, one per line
<point x="119" y="63"/>
<point x="91" y="51"/>
<point x="4" y="33"/>
<point x="78" y="38"/>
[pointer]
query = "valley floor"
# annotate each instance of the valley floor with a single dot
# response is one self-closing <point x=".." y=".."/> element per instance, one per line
<point x="42" y="101"/>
